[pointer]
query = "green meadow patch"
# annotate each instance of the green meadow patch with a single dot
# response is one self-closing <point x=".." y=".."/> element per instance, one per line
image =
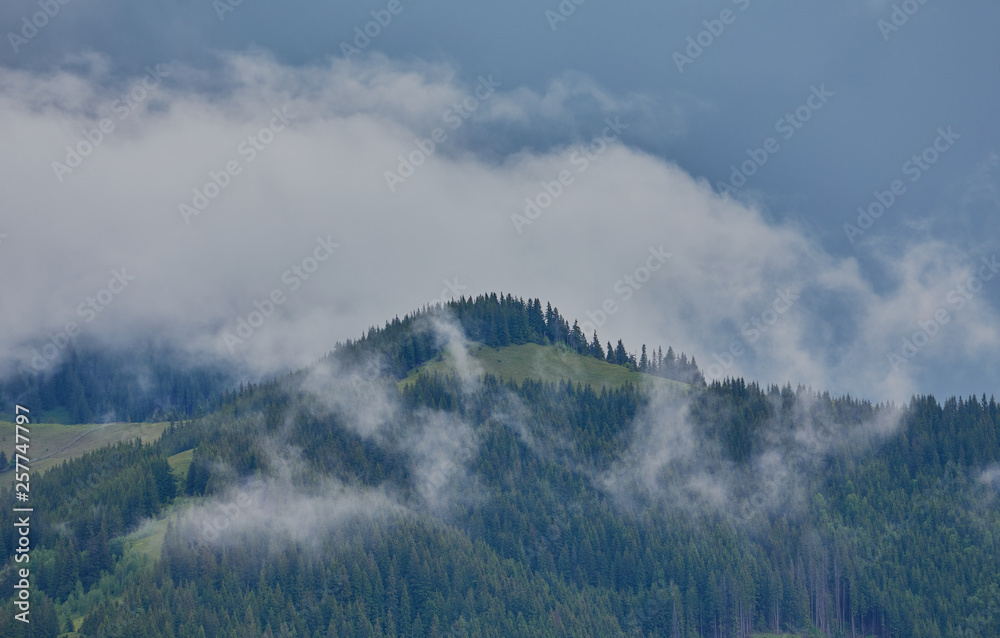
<point x="533" y="361"/>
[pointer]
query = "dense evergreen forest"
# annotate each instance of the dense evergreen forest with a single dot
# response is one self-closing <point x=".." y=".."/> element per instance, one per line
<point x="336" y="502"/>
<point x="90" y="384"/>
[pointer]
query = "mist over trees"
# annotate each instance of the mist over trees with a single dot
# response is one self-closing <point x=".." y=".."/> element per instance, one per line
<point x="90" y="383"/>
<point x="558" y="508"/>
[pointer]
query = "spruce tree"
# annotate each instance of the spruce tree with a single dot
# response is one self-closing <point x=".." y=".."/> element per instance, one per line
<point x="621" y="356"/>
<point x="596" y="350"/>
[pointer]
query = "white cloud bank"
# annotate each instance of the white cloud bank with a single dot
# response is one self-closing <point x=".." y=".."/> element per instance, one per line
<point x="307" y="244"/>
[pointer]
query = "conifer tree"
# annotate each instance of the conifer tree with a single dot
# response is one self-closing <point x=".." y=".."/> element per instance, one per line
<point x="596" y="350"/>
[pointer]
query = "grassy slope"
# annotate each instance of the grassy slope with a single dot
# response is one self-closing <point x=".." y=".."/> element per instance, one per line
<point x="51" y="444"/>
<point x="180" y="463"/>
<point x="546" y="362"/>
<point x="147" y="540"/>
<point x="60" y="442"/>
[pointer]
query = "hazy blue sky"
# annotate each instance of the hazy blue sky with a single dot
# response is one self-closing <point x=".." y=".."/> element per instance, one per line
<point x="702" y="87"/>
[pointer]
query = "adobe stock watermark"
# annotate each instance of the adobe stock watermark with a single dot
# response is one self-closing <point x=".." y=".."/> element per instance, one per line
<point x="787" y="126"/>
<point x="222" y="7"/>
<point x="580" y="159"/>
<point x="448" y="469"/>
<point x="38" y="21"/>
<point x="454" y="117"/>
<point x="123" y="107"/>
<point x="364" y="34"/>
<point x="551" y="538"/>
<point x="249" y="149"/>
<point x="562" y="13"/>
<point x="656" y="606"/>
<point x="222" y="516"/>
<point x="714" y="28"/>
<point x="625" y="288"/>
<point x="293" y="279"/>
<point x="914" y="168"/>
<point x="956" y="299"/>
<point x="88" y="310"/>
<point x="898" y="17"/>
<point x="452" y="291"/>
<point x="752" y="331"/>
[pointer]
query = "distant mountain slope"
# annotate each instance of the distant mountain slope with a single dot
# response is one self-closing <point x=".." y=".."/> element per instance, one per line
<point x="135" y="381"/>
<point x="53" y="443"/>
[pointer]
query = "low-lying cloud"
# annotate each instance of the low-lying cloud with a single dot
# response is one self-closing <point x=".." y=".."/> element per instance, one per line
<point x="321" y="178"/>
<point x="673" y="461"/>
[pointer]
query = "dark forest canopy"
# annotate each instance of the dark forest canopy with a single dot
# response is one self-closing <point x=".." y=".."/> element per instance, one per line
<point x="505" y="508"/>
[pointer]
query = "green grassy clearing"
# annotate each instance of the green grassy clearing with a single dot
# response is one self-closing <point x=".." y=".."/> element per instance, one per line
<point x="532" y="361"/>
<point x="51" y="444"/>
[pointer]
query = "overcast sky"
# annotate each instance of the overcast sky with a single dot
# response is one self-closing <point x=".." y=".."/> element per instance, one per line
<point x="698" y="166"/>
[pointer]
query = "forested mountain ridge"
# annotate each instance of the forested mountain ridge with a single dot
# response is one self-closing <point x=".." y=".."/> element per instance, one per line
<point x="330" y="502"/>
<point x="148" y="381"/>
<point x="498" y="321"/>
